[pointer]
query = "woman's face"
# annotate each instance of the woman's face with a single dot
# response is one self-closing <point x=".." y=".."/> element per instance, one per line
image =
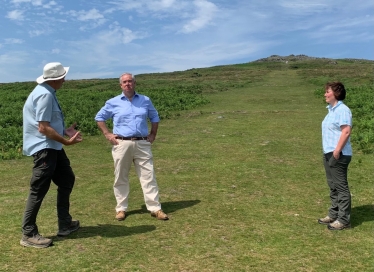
<point x="330" y="97"/>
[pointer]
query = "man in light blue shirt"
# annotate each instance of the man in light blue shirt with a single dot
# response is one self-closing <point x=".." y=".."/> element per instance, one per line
<point x="43" y="137"/>
<point x="131" y="142"/>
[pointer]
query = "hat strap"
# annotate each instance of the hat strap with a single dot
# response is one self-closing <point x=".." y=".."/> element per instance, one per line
<point x="54" y="77"/>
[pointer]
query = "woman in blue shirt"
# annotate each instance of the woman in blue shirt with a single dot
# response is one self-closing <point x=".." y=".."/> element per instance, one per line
<point x="336" y="130"/>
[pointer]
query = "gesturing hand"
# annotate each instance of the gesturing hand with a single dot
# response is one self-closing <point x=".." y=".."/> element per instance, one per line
<point x="71" y="132"/>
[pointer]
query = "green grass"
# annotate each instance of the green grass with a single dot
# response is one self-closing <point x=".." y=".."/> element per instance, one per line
<point x="241" y="179"/>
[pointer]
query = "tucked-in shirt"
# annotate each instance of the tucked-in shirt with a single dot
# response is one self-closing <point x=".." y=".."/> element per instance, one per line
<point x="129" y="117"/>
<point x="41" y="105"/>
<point x="337" y="116"/>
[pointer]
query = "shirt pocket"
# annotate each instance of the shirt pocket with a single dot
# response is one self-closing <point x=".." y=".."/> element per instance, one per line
<point x="56" y="113"/>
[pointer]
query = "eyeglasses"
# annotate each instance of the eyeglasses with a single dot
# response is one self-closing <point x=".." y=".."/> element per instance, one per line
<point x="127" y="81"/>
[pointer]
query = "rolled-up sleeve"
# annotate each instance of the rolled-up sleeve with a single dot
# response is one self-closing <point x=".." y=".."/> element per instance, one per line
<point x="104" y="113"/>
<point x="152" y="113"/>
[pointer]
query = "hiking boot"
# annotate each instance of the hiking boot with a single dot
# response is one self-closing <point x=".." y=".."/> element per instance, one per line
<point x="337" y="225"/>
<point x="36" y="240"/>
<point x="160" y="215"/>
<point x="326" y="220"/>
<point x="121" y="215"/>
<point x="74" y="225"/>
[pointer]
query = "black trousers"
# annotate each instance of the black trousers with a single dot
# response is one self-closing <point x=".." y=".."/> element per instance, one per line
<point x="340" y="196"/>
<point x="49" y="165"/>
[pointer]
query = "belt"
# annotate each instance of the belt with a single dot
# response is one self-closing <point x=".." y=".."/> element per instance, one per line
<point x="131" y="138"/>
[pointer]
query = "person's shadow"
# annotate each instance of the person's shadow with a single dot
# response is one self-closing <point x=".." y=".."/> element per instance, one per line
<point x="111" y="231"/>
<point x="362" y="214"/>
<point x="167" y="207"/>
<point x="108" y="231"/>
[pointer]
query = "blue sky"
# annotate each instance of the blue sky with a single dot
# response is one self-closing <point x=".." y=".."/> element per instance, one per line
<point x="103" y="39"/>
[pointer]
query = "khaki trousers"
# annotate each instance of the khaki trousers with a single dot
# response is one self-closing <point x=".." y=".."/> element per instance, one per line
<point x="139" y="152"/>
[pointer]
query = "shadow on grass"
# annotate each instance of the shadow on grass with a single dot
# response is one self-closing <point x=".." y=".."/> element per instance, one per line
<point x="168" y="207"/>
<point x="107" y="231"/>
<point x="362" y="214"/>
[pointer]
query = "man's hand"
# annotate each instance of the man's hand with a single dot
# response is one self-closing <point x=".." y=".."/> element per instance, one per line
<point x="111" y="138"/>
<point x="71" y="132"/>
<point x="76" y="138"/>
<point x="151" y="138"/>
<point x="46" y="129"/>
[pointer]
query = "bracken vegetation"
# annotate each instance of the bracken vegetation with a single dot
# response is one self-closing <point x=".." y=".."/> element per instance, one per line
<point x="80" y="101"/>
<point x="174" y="92"/>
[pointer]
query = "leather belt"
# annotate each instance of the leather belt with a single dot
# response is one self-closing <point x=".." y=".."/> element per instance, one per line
<point x="131" y="138"/>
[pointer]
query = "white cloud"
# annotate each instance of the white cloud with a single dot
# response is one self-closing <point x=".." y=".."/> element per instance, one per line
<point x="92" y="14"/>
<point x="35" y="33"/>
<point x="349" y="23"/>
<point x="37" y="2"/>
<point x="146" y="7"/>
<point x="13" y="41"/>
<point x="50" y="4"/>
<point x="33" y="2"/>
<point x="160" y="5"/>
<point x="303" y="6"/>
<point x="93" y="17"/>
<point x="19" y="1"/>
<point x="205" y="13"/>
<point x="16" y="15"/>
<point x="118" y="33"/>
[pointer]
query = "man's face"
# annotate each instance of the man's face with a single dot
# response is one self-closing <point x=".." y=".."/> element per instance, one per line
<point x="127" y="84"/>
<point x="59" y="83"/>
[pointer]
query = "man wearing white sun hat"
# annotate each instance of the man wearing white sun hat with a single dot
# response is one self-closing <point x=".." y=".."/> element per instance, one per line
<point x="43" y="137"/>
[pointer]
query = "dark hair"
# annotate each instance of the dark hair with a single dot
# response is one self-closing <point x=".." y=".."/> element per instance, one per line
<point x="337" y="88"/>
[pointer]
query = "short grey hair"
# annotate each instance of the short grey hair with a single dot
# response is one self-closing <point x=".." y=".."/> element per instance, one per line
<point x="132" y="76"/>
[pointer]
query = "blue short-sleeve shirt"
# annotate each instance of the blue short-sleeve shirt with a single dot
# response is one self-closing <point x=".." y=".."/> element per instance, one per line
<point x="41" y="105"/>
<point x="337" y="116"/>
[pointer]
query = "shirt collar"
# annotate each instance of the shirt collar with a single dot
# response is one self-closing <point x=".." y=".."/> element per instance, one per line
<point x="49" y="88"/>
<point x="329" y="107"/>
<point x="123" y="96"/>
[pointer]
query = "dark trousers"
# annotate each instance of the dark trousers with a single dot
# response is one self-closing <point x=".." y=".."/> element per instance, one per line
<point x="340" y="196"/>
<point x="49" y="165"/>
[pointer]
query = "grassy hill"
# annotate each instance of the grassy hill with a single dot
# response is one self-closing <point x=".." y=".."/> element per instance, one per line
<point x="178" y="91"/>
<point x="241" y="177"/>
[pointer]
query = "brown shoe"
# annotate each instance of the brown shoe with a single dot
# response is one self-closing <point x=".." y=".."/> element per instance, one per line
<point x="160" y="215"/>
<point x="121" y="215"/>
<point x="35" y="240"/>
<point x="337" y="225"/>
<point x="326" y="220"/>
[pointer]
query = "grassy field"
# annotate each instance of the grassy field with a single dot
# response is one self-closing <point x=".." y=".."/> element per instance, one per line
<point x="241" y="179"/>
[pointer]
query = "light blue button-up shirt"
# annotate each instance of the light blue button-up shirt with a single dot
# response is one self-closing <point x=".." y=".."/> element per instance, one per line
<point x="129" y="117"/>
<point x="338" y="116"/>
<point x="41" y="105"/>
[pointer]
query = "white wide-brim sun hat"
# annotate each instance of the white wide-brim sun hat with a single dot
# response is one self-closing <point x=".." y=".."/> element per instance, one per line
<point x="52" y="71"/>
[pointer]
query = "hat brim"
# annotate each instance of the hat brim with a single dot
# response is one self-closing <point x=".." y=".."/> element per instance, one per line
<point x="41" y="79"/>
